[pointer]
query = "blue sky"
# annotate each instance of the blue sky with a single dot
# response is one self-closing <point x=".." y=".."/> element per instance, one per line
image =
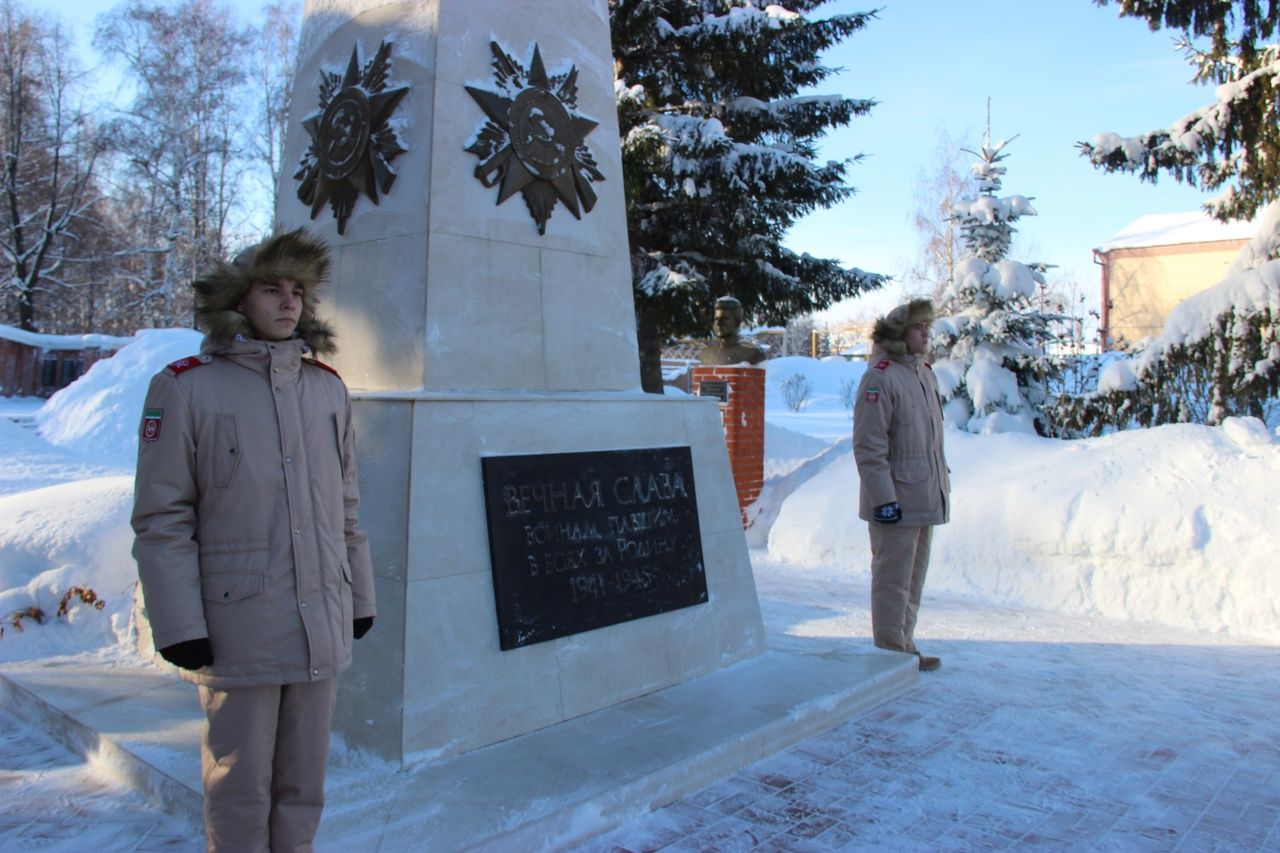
<point x="1056" y="72"/>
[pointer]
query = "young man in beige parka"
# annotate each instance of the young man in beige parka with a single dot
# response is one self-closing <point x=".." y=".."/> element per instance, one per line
<point x="904" y="486"/>
<point x="254" y="569"/>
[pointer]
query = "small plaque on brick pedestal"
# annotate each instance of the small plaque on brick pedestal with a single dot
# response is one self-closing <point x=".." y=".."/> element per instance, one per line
<point x="713" y="388"/>
<point x="578" y="541"/>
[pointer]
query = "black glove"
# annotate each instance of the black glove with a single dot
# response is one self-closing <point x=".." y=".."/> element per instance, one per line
<point x="361" y="626"/>
<point x="189" y="654"/>
<point x="890" y="513"/>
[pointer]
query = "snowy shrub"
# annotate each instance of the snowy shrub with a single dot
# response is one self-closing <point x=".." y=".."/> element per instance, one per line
<point x="848" y="391"/>
<point x="1218" y="357"/>
<point x="1233" y="371"/>
<point x="35" y="613"/>
<point x="796" y="390"/>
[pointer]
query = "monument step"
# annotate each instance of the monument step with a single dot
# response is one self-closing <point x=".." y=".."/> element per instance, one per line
<point x="544" y="790"/>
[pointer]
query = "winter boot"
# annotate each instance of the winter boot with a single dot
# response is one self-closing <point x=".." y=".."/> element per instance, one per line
<point x="928" y="663"/>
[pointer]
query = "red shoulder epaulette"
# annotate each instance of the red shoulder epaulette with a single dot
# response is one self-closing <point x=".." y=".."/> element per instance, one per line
<point x="883" y="365"/>
<point x="318" y="363"/>
<point x="182" y="365"/>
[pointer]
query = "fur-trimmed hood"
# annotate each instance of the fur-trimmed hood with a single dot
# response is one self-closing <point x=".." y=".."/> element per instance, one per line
<point x="891" y="329"/>
<point x="293" y="254"/>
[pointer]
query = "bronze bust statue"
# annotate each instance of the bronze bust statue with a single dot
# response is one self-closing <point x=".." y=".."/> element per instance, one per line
<point x="729" y="349"/>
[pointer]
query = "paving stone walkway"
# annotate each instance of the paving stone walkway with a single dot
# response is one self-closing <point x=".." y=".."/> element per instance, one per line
<point x="1048" y="732"/>
<point x="50" y="800"/>
<point x="1015" y="746"/>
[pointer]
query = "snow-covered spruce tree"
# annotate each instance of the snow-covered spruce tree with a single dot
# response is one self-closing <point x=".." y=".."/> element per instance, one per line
<point x="719" y="155"/>
<point x="993" y="371"/>
<point x="1206" y="367"/>
<point x="1231" y="144"/>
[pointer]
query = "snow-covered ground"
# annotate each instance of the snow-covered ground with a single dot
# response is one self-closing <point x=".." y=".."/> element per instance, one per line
<point x="1177" y="525"/>
<point x="1159" y="539"/>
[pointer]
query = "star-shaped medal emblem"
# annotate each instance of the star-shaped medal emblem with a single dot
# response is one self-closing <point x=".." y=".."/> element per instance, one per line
<point x="533" y="142"/>
<point x="352" y="145"/>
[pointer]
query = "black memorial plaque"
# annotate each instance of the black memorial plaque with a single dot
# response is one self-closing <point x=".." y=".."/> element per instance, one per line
<point x="714" y="388"/>
<point x="579" y="541"/>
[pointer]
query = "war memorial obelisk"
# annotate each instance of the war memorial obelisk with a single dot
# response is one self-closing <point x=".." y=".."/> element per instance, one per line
<point x="548" y="540"/>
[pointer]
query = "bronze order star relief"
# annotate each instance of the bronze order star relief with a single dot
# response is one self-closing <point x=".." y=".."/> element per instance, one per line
<point x="533" y="140"/>
<point x="352" y="145"/>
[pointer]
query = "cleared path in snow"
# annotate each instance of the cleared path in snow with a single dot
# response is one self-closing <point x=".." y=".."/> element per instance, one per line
<point x="1041" y="730"/>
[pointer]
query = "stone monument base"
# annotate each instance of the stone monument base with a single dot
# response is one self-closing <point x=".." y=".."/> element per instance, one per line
<point x="431" y="681"/>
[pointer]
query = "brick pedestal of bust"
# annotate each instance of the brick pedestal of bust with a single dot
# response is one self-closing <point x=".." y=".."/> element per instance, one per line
<point x="742" y="413"/>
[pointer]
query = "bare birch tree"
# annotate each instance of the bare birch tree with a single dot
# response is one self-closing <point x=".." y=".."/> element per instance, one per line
<point x="272" y="68"/>
<point x="49" y="149"/>
<point x="178" y="141"/>
<point x="938" y="187"/>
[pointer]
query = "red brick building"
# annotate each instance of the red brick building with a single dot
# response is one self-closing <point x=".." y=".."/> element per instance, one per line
<point x="36" y="365"/>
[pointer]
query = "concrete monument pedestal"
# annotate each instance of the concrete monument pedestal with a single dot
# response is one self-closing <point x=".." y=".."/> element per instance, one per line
<point x="431" y="680"/>
<point x="471" y="324"/>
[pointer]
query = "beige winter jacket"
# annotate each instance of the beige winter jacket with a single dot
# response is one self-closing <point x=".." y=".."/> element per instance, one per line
<point x="245" y="514"/>
<point x="897" y="440"/>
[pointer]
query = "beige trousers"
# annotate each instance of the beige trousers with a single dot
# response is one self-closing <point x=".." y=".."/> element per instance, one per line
<point x="263" y="760"/>
<point x="899" y="562"/>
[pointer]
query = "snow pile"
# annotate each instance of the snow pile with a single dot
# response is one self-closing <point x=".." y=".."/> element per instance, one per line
<point x="99" y="413"/>
<point x="1176" y="525"/>
<point x="786" y="450"/>
<point x="54" y="539"/>
<point x="828" y="376"/>
<point x="65" y="498"/>
<point x="1117" y="375"/>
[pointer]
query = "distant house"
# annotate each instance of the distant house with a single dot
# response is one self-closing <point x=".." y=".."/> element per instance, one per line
<point x="36" y="365"/>
<point x="771" y="339"/>
<point x="851" y="339"/>
<point x="1154" y="263"/>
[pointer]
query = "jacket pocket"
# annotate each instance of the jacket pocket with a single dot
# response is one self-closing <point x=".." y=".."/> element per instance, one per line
<point x="233" y="571"/>
<point x="232" y="586"/>
<point x="348" y="605"/>
<point x="911" y="482"/>
<point x="340" y="438"/>
<point x="226" y="450"/>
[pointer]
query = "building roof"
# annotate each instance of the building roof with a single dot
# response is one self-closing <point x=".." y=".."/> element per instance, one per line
<point x="1174" y="229"/>
<point x="62" y="342"/>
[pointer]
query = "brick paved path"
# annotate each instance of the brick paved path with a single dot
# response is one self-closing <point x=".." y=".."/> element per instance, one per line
<point x="1028" y="738"/>
<point x="51" y="801"/>
<point x="1017" y="745"/>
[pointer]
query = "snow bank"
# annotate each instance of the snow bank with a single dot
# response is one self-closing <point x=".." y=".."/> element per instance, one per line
<point x="1177" y="525"/>
<point x="56" y="538"/>
<point x="99" y="412"/>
